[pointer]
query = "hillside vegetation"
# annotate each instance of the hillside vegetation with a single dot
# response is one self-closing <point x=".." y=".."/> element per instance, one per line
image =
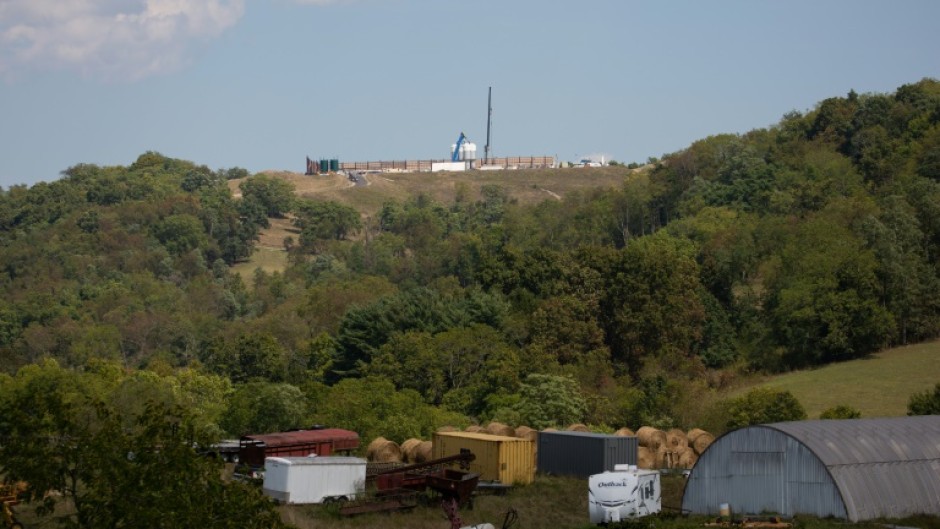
<point x="608" y="297"/>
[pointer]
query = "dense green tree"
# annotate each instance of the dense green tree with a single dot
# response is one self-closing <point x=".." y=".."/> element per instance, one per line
<point x="325" y="221"/>
<point x="565" y="328"/>
<point x="821" y="298"/>
<point x="256" y="355"/>
<point x="364" y="330"/>
<point x="908" y="281"/>
<point x="546" y="401"/>
<point x="460" y="368"/>
<point x="180" y="233"/>
<point x="652" y="302"/>
<point x="263" y="407"/>
<point x="763" y="405"/>
<point x="114" y="467"/>
<point x="381" y="410"/>
<point x="274" y="195"/>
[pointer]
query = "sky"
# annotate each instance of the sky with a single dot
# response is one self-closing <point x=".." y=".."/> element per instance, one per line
<point x="262" y="84"/>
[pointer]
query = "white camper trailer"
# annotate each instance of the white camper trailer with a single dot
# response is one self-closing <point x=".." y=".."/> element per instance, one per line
<point x="626" y="493"/>
<point x="314" y="479"/>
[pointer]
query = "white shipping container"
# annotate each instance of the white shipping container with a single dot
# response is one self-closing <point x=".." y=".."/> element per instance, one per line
<point x="624" y="494"/>
<point x="314" y="479"/>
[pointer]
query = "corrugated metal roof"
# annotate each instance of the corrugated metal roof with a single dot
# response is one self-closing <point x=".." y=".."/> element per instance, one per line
<point x="299" y="437"/>
<point x="858" y="441"/>
<point x="859" y="469"/>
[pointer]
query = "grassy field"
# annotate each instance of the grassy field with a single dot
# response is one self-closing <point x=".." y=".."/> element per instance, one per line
<point x="264" y="257"/>
<point x="879" y="386"/>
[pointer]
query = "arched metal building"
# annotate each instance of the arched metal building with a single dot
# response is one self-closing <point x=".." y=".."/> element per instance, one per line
<point x="857" y="469"/>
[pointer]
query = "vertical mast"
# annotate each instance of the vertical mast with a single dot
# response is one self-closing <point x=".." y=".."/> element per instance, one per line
<point x="489" y="118"/>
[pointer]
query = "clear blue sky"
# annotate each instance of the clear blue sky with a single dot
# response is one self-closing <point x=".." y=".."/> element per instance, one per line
<point x="261" y="84"/>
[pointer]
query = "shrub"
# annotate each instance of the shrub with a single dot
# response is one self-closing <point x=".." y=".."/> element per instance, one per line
<point x="764" y="405"/>
<point x="925" y="402"/>
<point x="840" y="412"/>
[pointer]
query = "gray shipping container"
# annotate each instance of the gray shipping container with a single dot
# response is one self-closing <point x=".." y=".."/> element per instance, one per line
<point x="583" y="454"/>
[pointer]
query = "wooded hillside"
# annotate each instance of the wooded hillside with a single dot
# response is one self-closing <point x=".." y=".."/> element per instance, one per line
<point x="809" y="242"/>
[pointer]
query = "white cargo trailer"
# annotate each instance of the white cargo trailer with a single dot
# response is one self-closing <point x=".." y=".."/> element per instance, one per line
<point x="314" y="479"/>
<point x="626" y="493"/>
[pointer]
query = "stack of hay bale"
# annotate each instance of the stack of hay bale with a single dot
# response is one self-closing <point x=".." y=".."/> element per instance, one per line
<point x="650" y="440"/>
<point x="676" y="452"/>
<point x="670" y="449"/>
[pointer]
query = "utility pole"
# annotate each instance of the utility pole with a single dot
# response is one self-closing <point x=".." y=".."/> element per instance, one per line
<point x="489" y="119"/>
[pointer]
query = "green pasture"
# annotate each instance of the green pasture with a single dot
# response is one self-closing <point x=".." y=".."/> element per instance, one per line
<point x="878" y="386"/>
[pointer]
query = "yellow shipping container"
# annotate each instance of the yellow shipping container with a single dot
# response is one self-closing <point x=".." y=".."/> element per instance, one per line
<point x="508" y="460"/>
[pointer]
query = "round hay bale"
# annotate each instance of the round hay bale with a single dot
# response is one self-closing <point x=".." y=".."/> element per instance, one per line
<point x="447" y="429"/>
<point x="687" y="459"/>
<point x="645" y="458"/>
<point x="625" y="432"/>
<point x="374" y="445"/>
<point x="693" y="433"/>
<point x="683" y="450"/>
<point x="383" y="451"/>
<point x="424" y="452"/>
<point x="524" y="432"/>
<point x="474" y="428"/>
<point x="578" y="427"/>
<point x="498" y="428"/>
<point x="701" y="442"/>
<point x="676" y="438"/>
<point x="550" y="429"/>
<point x="408" y="449"/>
<point x="651" y="438"/>
<point x="666" y="457"/>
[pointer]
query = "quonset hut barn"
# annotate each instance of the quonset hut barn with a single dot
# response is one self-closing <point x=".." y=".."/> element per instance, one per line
<point x="857" y="469"/>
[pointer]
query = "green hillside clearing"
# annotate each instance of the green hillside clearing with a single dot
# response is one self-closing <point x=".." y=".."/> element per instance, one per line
<point x="879" y="386"/>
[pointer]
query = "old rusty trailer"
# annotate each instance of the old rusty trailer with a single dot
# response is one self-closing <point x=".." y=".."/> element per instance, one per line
<point x="398" y="488"/>
<point x="253" y="449"/>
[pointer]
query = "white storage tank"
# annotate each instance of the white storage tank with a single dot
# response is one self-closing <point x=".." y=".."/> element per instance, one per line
<point x="624" y="494"/>
<point x="314" y="479"/>
<point x="468" y="151"/>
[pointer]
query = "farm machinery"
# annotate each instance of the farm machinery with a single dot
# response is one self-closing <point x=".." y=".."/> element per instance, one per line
<point x="397" y="488"/>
